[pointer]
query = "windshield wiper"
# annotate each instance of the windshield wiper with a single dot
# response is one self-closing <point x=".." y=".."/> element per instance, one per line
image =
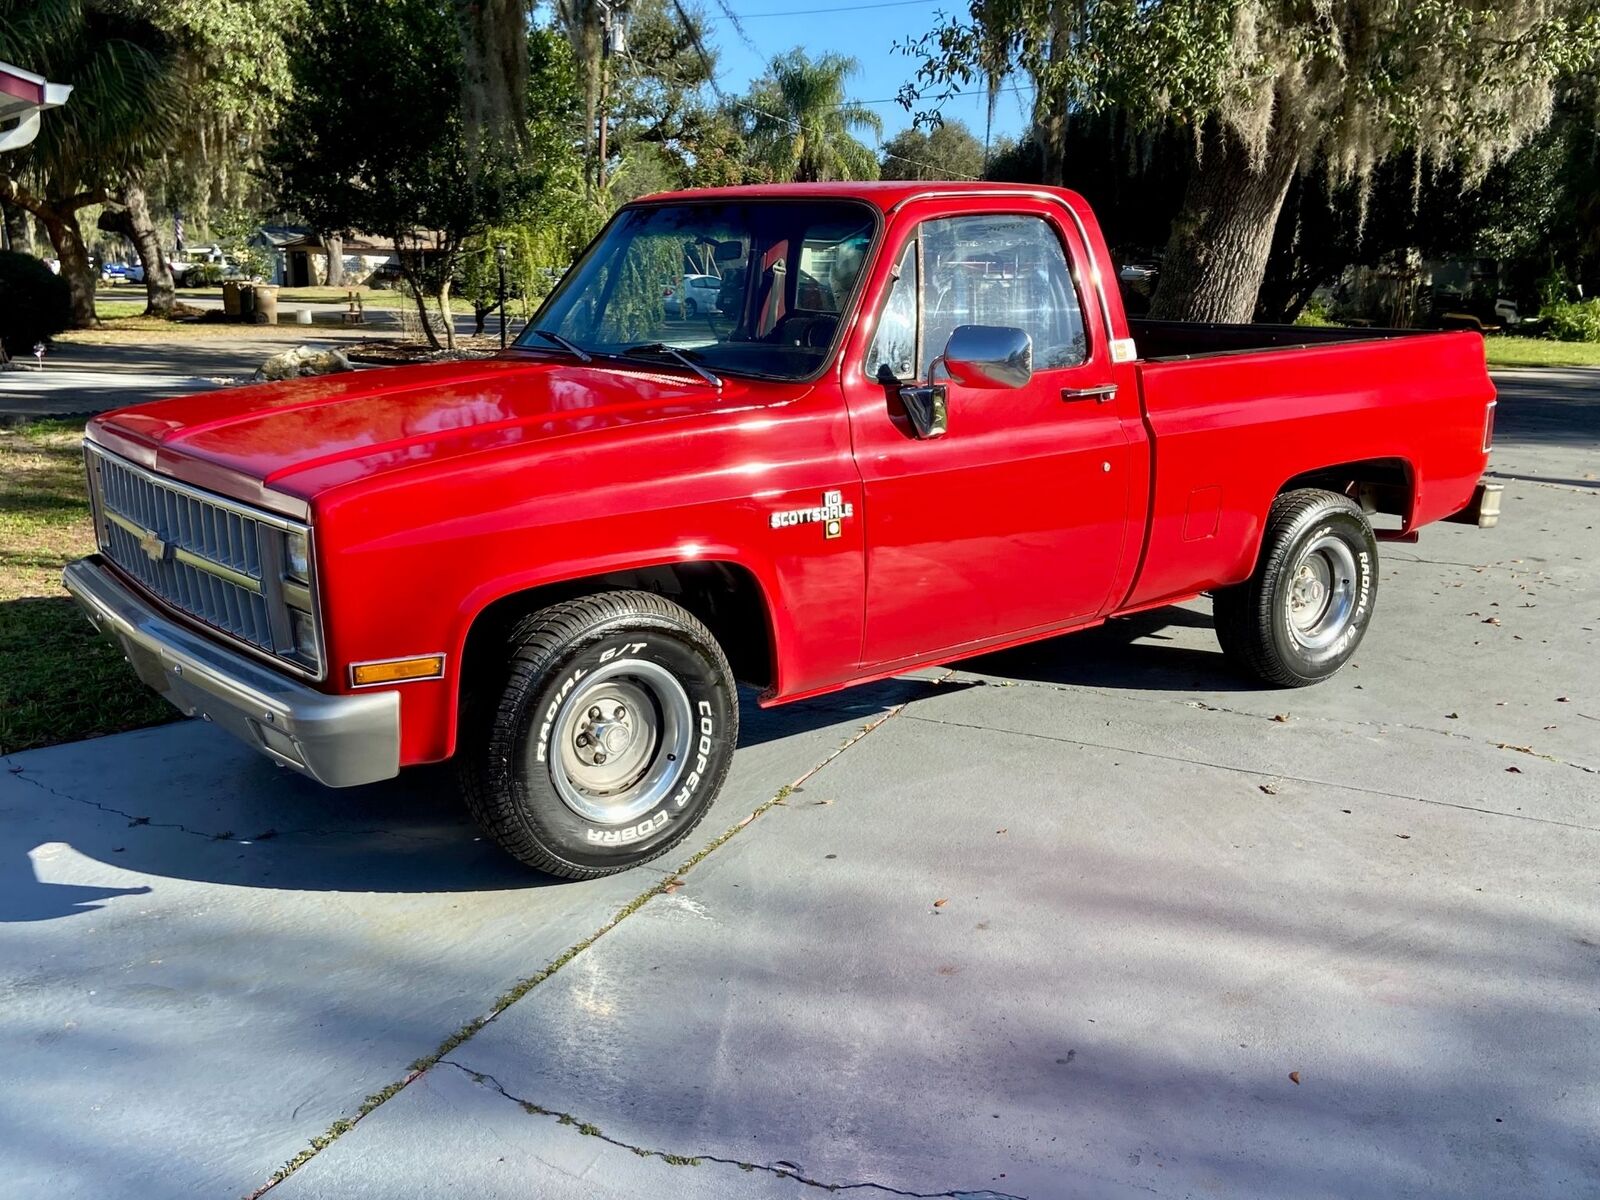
<point x="566" y="344"/>
<point x="652" y="349"/>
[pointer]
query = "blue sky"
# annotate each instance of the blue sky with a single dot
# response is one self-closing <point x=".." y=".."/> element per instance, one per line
<point x="867" y="32"/>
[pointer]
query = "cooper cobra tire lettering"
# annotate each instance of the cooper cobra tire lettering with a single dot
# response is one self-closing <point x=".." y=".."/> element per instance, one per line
<point x="702" y="756"/>
<point x="622" y="837"/>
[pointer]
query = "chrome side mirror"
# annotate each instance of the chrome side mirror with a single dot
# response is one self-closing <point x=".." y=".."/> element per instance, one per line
<point x="989" y="356"/>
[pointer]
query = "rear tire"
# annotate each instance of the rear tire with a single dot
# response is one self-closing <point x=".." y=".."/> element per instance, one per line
<point x="1302" y="614"/>
<point x="604" y="737"/>
<point x="691" y="310"/>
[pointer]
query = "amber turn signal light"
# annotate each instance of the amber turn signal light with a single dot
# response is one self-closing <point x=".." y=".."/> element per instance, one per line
<point x="397" y="670"/>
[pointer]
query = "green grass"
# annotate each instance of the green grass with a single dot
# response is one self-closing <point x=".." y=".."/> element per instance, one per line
<point x="1537" y="352"/>
<point x="112" y="309"/>
<point x="62" y="681"/>
<point x="370" y="297"/>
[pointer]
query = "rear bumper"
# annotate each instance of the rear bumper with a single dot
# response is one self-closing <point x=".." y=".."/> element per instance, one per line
<point x="1484" y="508"/>
<point x="337" y="740"/>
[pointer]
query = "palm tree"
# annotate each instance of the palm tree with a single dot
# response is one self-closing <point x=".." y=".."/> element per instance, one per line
<point x="801" y="125"/>
<point x="123" y="107"/>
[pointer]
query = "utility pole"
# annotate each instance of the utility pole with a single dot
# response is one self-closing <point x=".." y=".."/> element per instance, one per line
<point x="613" y="40"/>
<point x="500" y="265"/>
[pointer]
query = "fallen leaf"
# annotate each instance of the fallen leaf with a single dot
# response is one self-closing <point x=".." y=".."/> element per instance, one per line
<point x="672" y="886"/>
<point x="1563" y="700"/>
<point x="941" y="902"/>
<point x="1452" y="716"/>
<point x="1294" y="1077"/>
<point x="1280" y="718"/>
<point x="1269" y="789"/>
<point x="1403" y="836"/>
<point x="1513" y="770"/>
<point x="824" y="801"/>
<point x="1001" y="830"/>
<point x="1491" y="620"/>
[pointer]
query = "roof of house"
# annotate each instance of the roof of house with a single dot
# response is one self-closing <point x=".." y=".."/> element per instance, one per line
<point x="303" y="237"/>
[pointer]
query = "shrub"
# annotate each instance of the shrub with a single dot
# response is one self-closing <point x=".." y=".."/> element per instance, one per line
<point x="1573" y="320"/>
<point x="35" y="303"/>
<point x="203" y="275"/>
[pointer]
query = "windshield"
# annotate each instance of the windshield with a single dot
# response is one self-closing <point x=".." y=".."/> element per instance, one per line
<point x="753" y="287"/>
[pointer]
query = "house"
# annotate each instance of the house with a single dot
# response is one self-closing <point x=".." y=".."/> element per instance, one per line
<point x="300" y="257"/>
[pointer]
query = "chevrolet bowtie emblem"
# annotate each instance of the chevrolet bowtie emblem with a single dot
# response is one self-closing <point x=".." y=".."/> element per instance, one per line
<point x="152" y="545"/>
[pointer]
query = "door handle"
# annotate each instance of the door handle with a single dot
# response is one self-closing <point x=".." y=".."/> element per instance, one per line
<point x="1104" y="394"/>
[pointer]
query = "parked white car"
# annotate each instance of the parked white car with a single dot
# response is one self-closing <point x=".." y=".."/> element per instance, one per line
<point x="695" y="294"/>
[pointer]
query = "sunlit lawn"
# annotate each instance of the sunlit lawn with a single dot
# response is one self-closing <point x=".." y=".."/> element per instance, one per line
<point x="1537" y="352"/>
<point x="61" y="681"/>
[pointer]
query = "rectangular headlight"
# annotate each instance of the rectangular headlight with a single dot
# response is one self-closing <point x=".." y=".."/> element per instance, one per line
<point x="297" y="556"/>
<point x="304" y="630"/>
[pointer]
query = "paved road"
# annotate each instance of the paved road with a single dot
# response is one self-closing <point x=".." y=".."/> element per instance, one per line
<point x="1196" y="939"/>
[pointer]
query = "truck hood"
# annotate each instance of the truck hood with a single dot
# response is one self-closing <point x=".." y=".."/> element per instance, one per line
<point x="299" y="438"/>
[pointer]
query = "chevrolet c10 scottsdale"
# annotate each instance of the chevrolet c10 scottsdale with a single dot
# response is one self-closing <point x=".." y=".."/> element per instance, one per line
<point x="914" y="424"/>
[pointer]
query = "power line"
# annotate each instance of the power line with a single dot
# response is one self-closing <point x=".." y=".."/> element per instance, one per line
<point x="806" y="12"/>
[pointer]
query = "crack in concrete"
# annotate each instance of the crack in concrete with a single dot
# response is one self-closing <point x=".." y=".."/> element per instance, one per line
<point x="21" y="773"/>
<point x="1259" y="774"/>
<point x="136" y="821"/>
<point x="372" y="1103"/>
<point x="1500" y="564"/>
<point x="786" y="1171"/>
<point x="1207" y="706"/>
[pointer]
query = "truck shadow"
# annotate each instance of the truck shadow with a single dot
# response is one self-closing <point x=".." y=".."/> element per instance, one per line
<point x="185" y="802"/>
<point x="1161" y="650"/>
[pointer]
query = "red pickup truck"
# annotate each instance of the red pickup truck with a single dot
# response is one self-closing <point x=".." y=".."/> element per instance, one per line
<point x="914" y="425"/>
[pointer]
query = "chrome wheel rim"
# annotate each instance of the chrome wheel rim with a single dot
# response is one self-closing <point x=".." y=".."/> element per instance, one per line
<point x="622" y="739"/>
<point x="1322" y="592"/>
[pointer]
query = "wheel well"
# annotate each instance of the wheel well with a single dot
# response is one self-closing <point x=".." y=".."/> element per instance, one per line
<point x="1379" y="485"/>
<point x="724" y="596"/>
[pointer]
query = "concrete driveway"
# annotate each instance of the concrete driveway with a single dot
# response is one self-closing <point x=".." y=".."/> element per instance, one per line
<point x="1086" y="919"/>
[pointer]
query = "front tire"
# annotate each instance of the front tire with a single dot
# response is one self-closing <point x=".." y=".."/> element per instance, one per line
<point x="605" y="736"/>
<point x="1302" y="614"/>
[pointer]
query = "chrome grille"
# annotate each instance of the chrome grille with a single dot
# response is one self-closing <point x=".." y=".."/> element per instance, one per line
<point x="216" y="560"/>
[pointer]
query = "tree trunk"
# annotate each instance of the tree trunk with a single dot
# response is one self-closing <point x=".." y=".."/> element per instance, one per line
<point x="334" y="244"/>
<point x="414" y="283"/>
<point x="16" y="228"/>
<point x="67" y="238"/>
<point x="141" y="230"/>
<point x="1222" y="235"/>
<point x="445" y="314"/>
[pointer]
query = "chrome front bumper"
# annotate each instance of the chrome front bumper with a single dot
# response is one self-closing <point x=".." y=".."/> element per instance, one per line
<point x="337" y="740"/>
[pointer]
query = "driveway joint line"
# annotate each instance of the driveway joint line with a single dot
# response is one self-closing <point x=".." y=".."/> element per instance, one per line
<point x="1207" y="706"/>
<point x="790" y="1171"/>
<point x="521" y="988"/>
<point x="1254" y="771"/>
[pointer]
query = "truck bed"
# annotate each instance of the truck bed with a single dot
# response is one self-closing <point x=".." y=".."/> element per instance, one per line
<point x="1236" y="414"/>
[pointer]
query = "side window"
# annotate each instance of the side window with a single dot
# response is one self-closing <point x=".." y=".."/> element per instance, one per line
<point x="1001" y="269"/>
<point x="894" y="345"/>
